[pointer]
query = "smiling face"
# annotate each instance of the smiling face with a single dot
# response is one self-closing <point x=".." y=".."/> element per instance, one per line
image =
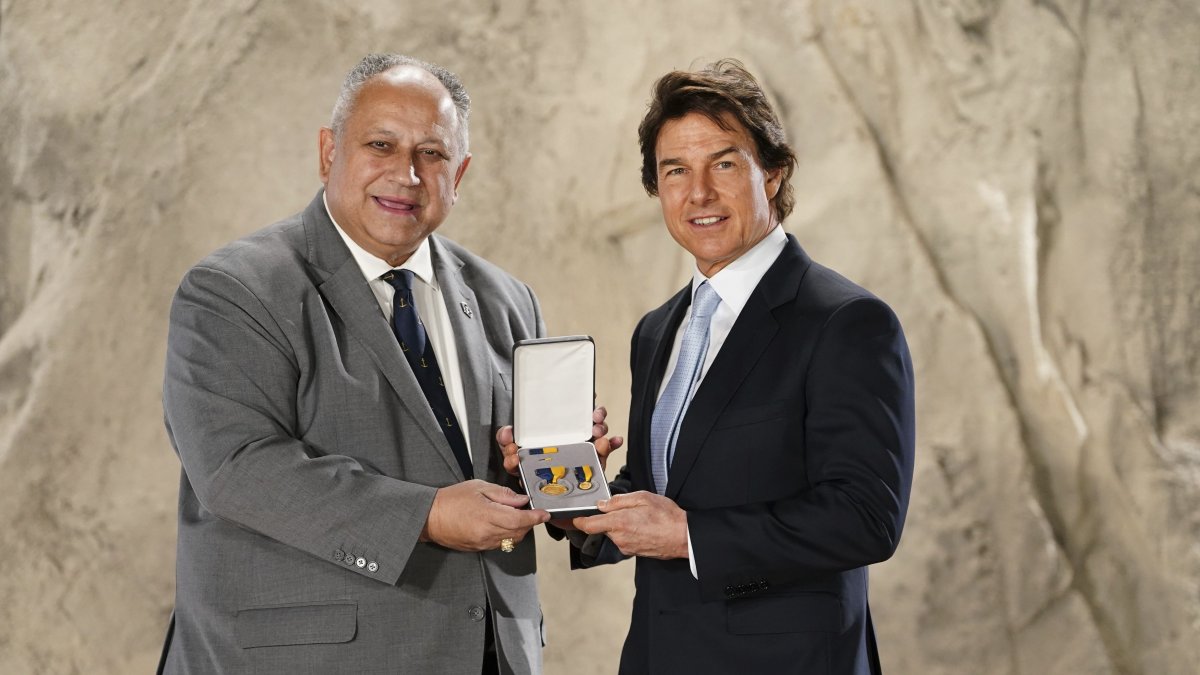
<point x="392" y="174"/>
<point x="715" y="196"/>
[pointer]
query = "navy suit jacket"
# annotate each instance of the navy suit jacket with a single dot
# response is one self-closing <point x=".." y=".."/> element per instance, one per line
<point x="794" y="463"/>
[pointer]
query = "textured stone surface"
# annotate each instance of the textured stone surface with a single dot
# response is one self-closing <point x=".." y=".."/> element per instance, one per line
<point x="1017" y="178"/>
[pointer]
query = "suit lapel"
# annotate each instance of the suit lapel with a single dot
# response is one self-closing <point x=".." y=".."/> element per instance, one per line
<point x="472" y="346"/>
<point x="748" y="339"/>
<point x="347" y="293"/>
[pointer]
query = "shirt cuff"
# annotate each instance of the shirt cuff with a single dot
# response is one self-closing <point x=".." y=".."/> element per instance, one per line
<point x="692" y="557"/>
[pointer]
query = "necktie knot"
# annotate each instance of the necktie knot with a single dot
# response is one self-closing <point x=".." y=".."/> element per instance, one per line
<point x="401" y="280"/>
<point x="705" y="302"/>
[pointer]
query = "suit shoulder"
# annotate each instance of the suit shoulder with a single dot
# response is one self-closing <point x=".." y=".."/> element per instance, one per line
<point x="269" y="257"/>
<point x="828" y="290"/>
<point x="840" y="300"/>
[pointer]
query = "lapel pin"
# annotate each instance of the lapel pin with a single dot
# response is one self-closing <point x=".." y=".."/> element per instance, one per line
<point x="466" y="309"/>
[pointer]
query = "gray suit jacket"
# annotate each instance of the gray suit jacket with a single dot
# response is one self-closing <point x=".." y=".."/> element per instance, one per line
<point x="310" y="460"/>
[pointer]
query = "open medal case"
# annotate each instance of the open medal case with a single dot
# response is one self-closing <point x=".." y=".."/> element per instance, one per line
<point x="553" y="397"/>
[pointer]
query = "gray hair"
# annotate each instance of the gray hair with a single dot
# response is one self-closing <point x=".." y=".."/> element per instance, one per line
<point x="375" y="64"/>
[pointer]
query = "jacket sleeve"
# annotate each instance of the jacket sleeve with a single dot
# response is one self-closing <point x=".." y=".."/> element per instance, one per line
<point x="230" y="395"/>
<point x="858" y="442"/>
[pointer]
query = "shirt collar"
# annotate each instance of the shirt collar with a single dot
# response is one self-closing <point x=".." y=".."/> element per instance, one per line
<point x="737" y="280"/>
<point x="420" y="262"/>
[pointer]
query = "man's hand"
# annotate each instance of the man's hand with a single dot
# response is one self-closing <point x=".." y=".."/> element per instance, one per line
<point x="476" y="515"/>
<point x="604" y="445"/>
<point x="641" y="523"/>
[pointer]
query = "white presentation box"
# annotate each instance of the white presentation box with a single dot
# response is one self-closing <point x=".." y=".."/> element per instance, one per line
<point x="554" y="383"/>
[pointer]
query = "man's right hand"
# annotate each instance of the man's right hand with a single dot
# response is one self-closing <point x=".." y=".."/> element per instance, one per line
<point x="476" y="515"/>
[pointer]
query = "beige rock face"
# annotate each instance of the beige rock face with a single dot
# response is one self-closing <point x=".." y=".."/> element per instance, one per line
<point x="1018" y="179"/>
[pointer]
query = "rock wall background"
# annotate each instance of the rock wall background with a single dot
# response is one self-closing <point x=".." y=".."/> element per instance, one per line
<point x="1018" y="178"/>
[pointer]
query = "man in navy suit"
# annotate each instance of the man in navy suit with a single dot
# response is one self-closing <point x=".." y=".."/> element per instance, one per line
<point x="771" y="427"/>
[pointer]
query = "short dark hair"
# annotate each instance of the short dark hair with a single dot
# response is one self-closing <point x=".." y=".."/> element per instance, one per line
<point x="719" y="89"/>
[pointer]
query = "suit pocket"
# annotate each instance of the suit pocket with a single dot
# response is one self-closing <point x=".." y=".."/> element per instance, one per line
<point x="797" y="613"/>
<point x="296" y="625"/>
<point x="739" y="417"/>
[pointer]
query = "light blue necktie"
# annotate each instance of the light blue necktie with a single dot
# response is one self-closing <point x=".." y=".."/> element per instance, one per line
<point x="668" y="414"/>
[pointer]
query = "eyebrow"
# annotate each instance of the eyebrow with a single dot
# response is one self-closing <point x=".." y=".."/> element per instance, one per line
<point x="672" y="161"/>
<point x="387" y="133"/>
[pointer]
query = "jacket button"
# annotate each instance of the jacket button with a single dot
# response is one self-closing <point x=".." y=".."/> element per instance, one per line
<point x="361" y="562"/>
<point x="372" y="566"/>
<point x="339" y="554"/>
<point x="349" y="560"/>
<point x="476" y="613"/>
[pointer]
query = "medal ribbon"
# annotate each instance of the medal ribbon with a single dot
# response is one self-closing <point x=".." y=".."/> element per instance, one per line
<point x="552" y="474"/>
<point x="583" y="474"/>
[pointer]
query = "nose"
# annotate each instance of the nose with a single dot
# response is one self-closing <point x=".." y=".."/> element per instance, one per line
<point x="701" y="191"/>
<point x="404" y="172"/>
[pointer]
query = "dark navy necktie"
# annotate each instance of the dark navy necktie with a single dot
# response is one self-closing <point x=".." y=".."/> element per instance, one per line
<point x="406" y="324"/>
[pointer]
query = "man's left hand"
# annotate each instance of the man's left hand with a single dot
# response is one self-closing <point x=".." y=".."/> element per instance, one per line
<point x="641" y="523"/>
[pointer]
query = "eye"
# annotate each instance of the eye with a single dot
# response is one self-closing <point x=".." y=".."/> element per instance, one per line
<point x="677" y="171"/>
<point x="378" y="145"/>
<point x="725" y="164"/>
<point x="431" y="153"/>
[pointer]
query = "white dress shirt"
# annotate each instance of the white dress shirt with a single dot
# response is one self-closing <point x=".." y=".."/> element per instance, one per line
<point x="734" y="283"/>
<point x="430" y="305"/>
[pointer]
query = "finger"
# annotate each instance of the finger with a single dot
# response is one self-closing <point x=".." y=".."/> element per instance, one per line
<point x="599" y="430"/>
<point x="564" y="523"/>
<point x="592" y="524"/>
<point x="516" y="523"/>
<point x="599" y="415"/>
<point x="615" y="442"/>
<point x="503" y="496"/>
<point x="602" y="445"/>
<point x="621" y="502"/>
<point x="512" y="464"/>
<point x="504" y="435"/>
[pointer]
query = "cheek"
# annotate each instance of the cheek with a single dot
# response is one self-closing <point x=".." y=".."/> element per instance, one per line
<point x="672" y="201"/>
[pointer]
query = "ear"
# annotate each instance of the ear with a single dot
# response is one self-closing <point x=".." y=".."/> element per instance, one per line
<point x="325" y="145"/>
<point x="774" y="182"/>
<point x="458" y="175"/>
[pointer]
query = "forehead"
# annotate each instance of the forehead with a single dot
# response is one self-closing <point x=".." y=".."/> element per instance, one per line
<point x="696" y="133"/>
<point x="404" y="97"/>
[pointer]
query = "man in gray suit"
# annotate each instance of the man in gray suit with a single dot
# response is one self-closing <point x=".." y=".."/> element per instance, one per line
<point x="333" y="384"/>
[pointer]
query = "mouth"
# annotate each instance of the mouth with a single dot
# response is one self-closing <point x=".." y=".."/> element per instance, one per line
<point x="397" y="205"/>
<point x="707" y="220"/>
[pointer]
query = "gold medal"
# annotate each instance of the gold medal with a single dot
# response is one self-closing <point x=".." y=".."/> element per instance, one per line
<point x="554" y="489"/>
<point x="551" y="486"/>
<point x="585" y="485"/>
